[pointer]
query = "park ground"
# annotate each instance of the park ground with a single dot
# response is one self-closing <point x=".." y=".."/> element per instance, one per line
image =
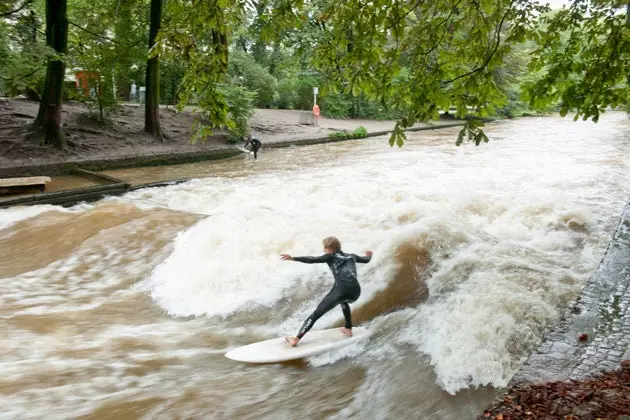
<point x="123" y="136"/>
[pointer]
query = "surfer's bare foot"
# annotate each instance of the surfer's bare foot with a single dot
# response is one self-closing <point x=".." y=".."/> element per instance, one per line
<point x="292" y="341"/>
<point x="346" y="331"/>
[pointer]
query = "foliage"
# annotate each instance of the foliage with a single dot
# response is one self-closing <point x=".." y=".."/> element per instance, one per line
<point x="246" y="72"/>
<point x="106" y="41"/>
<point x="515" y="106"/>
<point x="336" y="105"/>
<point x="346" y="106"/>
<point x="240" y="109"/>
<point x="172" y="73"/>
<point x="5" y="54"/>
<point x="381" y="59"/>
<point x="357" y="133"/>
<point x="287" y="95"/>
<point x="449" y="51"/>
<point x="23" y="53"/>
<point x="338" y="135"/>
<point x="508" y="77"/>
<point x="304" y="84"/>
<point x="472" y="130"/>
<point x="197" y="33"/>
<point x="582" y="58"/>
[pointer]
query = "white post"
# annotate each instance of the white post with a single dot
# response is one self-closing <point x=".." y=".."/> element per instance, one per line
<point x="315" y="92"/>
<point x="143" y="92"/>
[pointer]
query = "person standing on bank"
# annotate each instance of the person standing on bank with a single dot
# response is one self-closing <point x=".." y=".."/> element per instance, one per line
<point x="316" y="114"/>
<point x="346" y="289"/>
<point x="255" y="144"/>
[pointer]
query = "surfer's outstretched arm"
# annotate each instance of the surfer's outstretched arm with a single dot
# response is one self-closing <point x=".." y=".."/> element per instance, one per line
<point x="361" y="259"/>
<point x="308" y="260"/>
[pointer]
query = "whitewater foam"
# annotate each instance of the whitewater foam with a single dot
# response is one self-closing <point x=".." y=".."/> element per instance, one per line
<point x="501" y="236"/>
<point x="496" y="241"/>
<point x="13" y="215"/>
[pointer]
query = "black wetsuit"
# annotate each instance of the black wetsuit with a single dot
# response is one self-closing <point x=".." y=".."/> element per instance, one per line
<point x="346" y="289"/>
<point x="255" y="145"/>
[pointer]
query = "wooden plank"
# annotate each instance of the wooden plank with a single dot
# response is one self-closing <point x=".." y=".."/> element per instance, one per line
<point x="25" y="181"/>
<point x="67" y="195"/>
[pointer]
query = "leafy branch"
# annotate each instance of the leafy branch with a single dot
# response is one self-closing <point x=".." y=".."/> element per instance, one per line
<point x="10" y="12"/>
<point x="492" y="53"/>
<point x="93" y="33"/>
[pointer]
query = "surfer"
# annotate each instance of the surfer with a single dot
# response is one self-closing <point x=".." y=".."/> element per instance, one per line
<point x="255" y="144"/>
<point x="345" y="290"/>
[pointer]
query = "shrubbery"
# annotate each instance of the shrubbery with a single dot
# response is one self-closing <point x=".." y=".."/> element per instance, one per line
<point x="246" y="72"/>
<point x="358" y="133"/>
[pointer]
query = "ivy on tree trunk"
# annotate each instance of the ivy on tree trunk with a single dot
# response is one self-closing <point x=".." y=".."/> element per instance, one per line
<point x="48" y="118"/>
<point x="151" y="114"/>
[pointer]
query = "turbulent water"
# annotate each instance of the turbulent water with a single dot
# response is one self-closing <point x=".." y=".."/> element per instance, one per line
<point x="124" y="308"/>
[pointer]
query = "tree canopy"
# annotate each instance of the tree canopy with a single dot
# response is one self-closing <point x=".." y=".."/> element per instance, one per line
<point x="407" y="60"/>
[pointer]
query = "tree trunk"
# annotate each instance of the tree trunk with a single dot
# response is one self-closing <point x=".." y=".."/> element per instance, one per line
<point x="49" y="116"/>
<point x="221" y="48"/>
<point x="151" y="113"/>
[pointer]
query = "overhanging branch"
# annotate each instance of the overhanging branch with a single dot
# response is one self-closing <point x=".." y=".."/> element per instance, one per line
<point x="9" y="13"/>
<point x="489" y="57"/>
<point x="92" y="33"/>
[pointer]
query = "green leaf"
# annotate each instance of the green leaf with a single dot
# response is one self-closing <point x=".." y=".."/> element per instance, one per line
<point x="400" y="140"/>
<point x="460" y="136"/>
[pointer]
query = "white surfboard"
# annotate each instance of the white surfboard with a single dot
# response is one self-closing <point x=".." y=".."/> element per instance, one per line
<point x="244" y="150"/>
<point x="278" y="350"/>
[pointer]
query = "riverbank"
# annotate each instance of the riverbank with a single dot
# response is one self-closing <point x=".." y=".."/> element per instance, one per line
<point x="576" y="370"/>
<point x="122" y="143"/>
<point x="605" y="397"/>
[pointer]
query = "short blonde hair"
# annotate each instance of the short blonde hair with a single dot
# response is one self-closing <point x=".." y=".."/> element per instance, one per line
<point x="332" y="243"/>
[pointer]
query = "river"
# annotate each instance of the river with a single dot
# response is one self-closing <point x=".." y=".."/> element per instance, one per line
<point x="124" y="308"/>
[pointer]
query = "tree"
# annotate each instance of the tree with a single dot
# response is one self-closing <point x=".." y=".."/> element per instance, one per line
<point x="244" y="70"/>
<point x="453" y="50"/>
<point x="22" y="55"/>
<point x="8" y="10"/>
<point x="48" y="118"/>
<point x="450" y="51"/>
<point x="583" y="59"/>
<point x="107" y="40"/>
<point x="407" y="59"/>
<point x="130" y="32"/>
<point x="152" y="100"/>
<point x="198" y="33"/>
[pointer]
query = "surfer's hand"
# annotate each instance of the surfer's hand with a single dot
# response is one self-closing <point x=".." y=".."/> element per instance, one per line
<point x="286" y="257"/>
<point x="368" y="253"/>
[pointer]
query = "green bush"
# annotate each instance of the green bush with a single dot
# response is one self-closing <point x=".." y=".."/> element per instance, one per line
<point x="240" y="102"/>
<point x="224" y="106"/>
<point x="304" y="85"/>
<point x="359" y="133"/>
<point x="342" y="106"/>
<point x="336" y="106"/>
<point x="338" y="135"/>
<point x="246" y="72"/>
<point x="287" y="94"/>
<point x="171" y="75"/>
<point x="513" y="106"/>
<point x="374" y="110"/>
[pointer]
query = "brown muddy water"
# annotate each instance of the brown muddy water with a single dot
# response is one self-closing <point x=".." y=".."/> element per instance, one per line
<point x="124" y="308"/>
